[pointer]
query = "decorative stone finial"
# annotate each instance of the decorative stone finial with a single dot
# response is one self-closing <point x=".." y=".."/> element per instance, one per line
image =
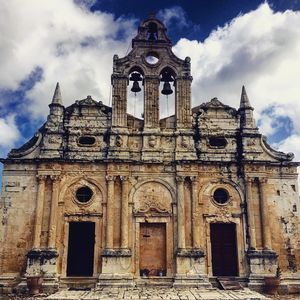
<point x="152" y="15"/>
<point x="57" y="95"/>
<point x="245" y="103"/>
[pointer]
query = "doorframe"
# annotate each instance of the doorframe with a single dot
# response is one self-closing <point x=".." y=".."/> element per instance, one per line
<point x="167" y="220"/>
<point x="97" y="246"/>
<point x="240" y="249"/>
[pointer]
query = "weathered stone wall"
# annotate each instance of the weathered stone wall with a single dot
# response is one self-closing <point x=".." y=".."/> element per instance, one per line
<point x="18" y="202"/>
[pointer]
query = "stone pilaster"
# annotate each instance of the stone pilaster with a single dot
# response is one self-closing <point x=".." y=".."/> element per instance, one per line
<point x="53" y="214"/>
<point x="266" y="234"/>
<point x="151" y="102"/>
<point x="110" y="212"/>
<point x="180" y="213"/>
<point x="262" y="263"/>
<point x="124" y="213"/>
<point x="39" y="211"/>
<point x="195" y="222"/>
<point x="116" y="263"/>
<point x="250" y="214"/>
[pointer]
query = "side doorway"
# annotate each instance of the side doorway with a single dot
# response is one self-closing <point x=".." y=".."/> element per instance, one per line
<point x="81" y="249"/>
<point x="224" y="249"/>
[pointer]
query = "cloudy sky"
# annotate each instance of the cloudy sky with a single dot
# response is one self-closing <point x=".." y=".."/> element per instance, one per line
<point x="231" y="43"/>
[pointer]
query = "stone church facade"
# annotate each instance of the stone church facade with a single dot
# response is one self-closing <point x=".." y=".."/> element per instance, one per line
<point x="99" y="197"/>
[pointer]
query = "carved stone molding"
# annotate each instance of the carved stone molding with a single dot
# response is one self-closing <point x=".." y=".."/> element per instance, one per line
<point x="152" y="202"/>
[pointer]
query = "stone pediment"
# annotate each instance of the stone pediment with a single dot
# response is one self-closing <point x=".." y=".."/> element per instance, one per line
<point x="215" y="103"/>
<point x="88" y="101"/>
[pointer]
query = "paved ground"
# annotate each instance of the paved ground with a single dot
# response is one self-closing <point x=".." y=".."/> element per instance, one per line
<point x="154" y="293"/>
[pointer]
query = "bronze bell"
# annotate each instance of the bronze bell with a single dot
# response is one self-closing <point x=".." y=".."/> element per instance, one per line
<point x="135" y="87"/>
<point x="167" y="89"/>
<point x="152" y="36"/>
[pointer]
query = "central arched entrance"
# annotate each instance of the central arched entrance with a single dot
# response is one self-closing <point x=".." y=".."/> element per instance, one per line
<point x="153" y="260"/>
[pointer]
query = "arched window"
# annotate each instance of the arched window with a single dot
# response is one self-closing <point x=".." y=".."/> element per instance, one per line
<point x="135" y="94"/>
<point x="167" y="89"/>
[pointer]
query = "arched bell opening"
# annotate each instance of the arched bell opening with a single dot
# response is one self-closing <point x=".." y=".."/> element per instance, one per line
<point x="167" y="93"/>
<point x="152" y="32"/>
<point x="135" y="93"/>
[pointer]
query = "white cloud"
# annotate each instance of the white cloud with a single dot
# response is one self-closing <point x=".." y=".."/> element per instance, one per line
<point x="260" y="49"/>
<point x="68" y="42"/>
<point x="75" y="47"/>
<point x="175" y="13"/>
<point x="9" y="133"/>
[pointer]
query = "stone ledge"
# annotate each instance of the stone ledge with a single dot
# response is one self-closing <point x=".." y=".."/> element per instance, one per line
<point x="42" y="253"/>
<point x="116" y="252"/>
<point x="193" y="253"/>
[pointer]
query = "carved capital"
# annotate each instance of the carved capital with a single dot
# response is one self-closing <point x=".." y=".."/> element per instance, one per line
<point x="180" y="179"/>
<point x="54" y="177"/>
<point x="263" y="180"/>
<point x="249" y="180"/>
<point x="110" y="178"/>
<point x="124" y="178"/>
<point x="193" y="179"/>
<point x="41" y="178"/>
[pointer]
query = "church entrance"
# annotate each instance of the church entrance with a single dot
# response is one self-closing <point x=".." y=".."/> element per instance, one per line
<point x="153" y="249"/>
<point x="224" y="249"/>
<point x="81" y="249"/>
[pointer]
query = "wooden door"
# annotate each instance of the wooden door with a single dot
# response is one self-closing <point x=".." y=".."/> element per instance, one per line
<point x="224" y="249"/>
<point x="81" y="249"/>
<point x="153" y="249"/>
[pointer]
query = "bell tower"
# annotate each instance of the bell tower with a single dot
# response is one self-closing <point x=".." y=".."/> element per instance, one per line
<point x="152" y="65"/>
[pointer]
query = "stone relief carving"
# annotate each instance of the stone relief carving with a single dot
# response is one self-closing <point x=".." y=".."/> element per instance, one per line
<point x="119" y="141"/>
<point x="152" y="197"/>
<point x="152" y="141"/>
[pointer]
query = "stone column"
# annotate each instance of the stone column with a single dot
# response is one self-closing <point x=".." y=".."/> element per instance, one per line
<point x="250" y="213"/>
<point x="119" y="100"/>
<point x="180" y="212"/>
<point x="151" y="102"/>
<point x="39" y="211"/>
<point x="195" y="224"/>
<point x="110" y="212"/>
<point x="53" y="215"/>
<point x="264" y="212"/>
<point x="124" y="213"/>
<point x="183" y="102"/>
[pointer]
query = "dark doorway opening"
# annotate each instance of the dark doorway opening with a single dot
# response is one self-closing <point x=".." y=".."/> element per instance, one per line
<point x="224" y="249"/>
<point x="81" y="249"/>
<point x="153" y="249"/>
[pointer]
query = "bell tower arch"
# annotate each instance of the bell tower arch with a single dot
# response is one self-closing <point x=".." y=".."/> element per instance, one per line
<point x="150" y="63"/>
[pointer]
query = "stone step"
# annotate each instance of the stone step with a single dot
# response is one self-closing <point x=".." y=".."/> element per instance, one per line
<point x="78" y="283"/>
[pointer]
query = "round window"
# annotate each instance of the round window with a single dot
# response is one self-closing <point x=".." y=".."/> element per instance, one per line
<point x="221" y="196"/>
<point x="152" y="58"/>
<point x="84" y="194"/>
